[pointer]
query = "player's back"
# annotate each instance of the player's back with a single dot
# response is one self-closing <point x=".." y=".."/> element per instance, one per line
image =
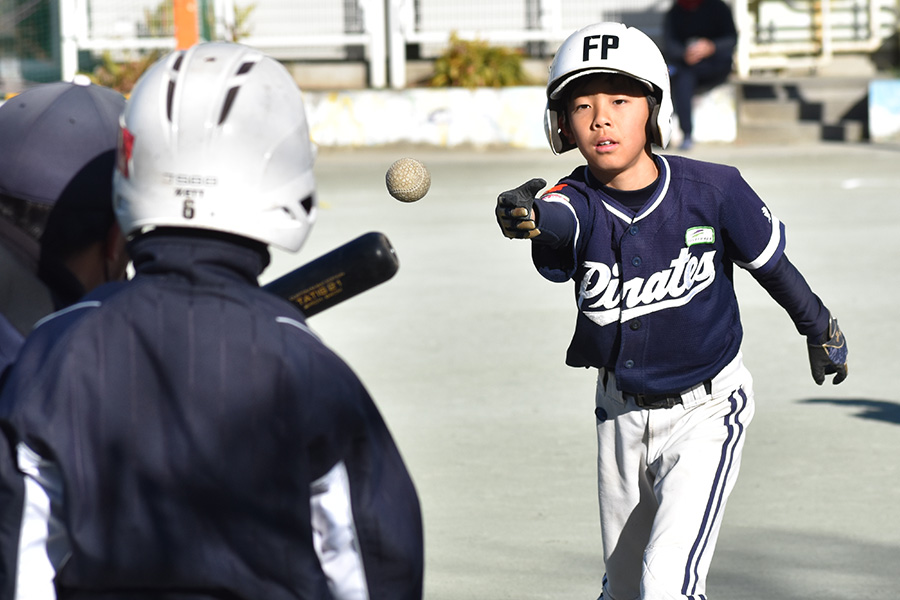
<point x="188" y="411"/>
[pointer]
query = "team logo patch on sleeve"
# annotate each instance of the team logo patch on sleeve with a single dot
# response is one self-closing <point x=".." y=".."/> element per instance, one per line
<point x="554" y="198"/>
<point x="700" y="235"/>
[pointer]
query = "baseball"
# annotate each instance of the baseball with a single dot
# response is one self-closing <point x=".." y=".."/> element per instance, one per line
<point x="407" y="180"/>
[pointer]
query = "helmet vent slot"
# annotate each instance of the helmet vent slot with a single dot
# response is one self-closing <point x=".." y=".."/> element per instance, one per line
<point x="245" y="68"/>
<point x="229" y="100"/>
<point x="170" y="94"/>
<point x="307" y="204"/>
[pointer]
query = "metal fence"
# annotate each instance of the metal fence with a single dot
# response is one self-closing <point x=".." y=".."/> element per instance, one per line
<point x="809" y="33"/>
<point x="537" y="26"/>
<point x="286" y="29"/>
<point x="385" y="34"/>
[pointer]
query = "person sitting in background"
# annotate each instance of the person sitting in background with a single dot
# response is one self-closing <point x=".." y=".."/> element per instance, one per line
<point x="699" y="38"/>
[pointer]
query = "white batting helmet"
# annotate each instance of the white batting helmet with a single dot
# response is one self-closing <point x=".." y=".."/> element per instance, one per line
<point x="215" y="137"/>
<point x="608" y="48"/>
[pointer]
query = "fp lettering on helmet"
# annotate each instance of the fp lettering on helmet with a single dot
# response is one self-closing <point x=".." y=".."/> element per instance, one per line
<point x="607" y="43"/>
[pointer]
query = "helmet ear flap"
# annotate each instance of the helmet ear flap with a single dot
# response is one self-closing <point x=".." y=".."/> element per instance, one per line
<point x="554" y="115"/>
<point x="653" y="133"/>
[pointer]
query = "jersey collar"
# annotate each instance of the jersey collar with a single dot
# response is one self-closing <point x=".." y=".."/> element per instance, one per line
<point x="665" y="175"/>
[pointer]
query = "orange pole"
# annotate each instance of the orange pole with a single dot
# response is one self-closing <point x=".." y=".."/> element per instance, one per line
<point x="186" y="26"/>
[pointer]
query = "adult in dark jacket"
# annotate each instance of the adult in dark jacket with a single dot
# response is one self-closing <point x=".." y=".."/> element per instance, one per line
<point x="196" y="438"/>
<point x="699" y="38"/>
<point x="58" y="233"/>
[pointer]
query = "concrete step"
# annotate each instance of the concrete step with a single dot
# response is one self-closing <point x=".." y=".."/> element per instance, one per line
<point x="801" y="131"/>
<point x="839" y="103"/>
<point x="798" y="132"/>
<point x="785" y="110"/>
<point x="846" y="131"/>
<point x="765" y="111"/>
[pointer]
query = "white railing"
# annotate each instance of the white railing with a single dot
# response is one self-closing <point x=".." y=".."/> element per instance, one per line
<point x="778" y="34"/>
<point x="772" y="33"/>
<point x="541" y="24"/>
<point x="287" y="29"/>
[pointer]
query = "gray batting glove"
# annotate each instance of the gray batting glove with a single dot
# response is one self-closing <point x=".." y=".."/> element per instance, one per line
<point x="515" y="210"/>
<point x="829" y="357"/>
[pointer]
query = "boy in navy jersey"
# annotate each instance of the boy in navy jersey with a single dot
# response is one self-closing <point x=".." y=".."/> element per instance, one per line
<point x="650" y="243"/>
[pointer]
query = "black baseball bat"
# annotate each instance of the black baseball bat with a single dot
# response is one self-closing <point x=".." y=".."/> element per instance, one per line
<point x="346" y="271"/>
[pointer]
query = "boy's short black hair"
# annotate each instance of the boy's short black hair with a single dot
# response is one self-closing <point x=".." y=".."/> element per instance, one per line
<point x="561" y="104"/>
<point x="582" y="81"/>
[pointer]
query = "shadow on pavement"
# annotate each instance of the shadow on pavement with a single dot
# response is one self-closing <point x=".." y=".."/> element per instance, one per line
<point x="874" y="410"/>
<point x="756" y="563"/>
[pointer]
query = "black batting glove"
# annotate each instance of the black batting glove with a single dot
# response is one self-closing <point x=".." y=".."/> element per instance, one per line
<point x="515" y="210"/>
<point x="830" y="356"/>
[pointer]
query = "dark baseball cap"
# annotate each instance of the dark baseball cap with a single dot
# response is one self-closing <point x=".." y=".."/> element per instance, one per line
<point x="50" y="132"/>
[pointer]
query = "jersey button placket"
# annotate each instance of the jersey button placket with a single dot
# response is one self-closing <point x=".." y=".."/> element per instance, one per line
<point x="636" y="261"/>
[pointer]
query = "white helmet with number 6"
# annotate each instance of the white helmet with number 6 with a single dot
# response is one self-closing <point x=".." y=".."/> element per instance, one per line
<point x="609" y="48"/>
<point x="215" y="137"/>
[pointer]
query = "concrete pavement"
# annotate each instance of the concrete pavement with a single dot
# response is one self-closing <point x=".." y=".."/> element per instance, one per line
<point x="464" y="352"/>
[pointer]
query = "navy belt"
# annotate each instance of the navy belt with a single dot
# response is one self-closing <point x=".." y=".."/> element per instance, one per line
<point x="652" y="401"/>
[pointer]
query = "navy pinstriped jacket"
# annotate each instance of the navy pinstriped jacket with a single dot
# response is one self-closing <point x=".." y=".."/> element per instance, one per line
<point x="206" y="444"/>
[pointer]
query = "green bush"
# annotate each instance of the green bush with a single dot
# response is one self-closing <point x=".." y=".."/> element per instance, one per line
<point x="476" y="63"/>
<point x="121" y="76"/>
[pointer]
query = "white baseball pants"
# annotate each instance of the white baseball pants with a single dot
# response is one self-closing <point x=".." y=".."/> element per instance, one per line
<point x="664" y="477"/>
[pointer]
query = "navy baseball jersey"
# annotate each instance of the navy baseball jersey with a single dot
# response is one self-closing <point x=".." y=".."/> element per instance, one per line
<point x="654" y="288"/>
